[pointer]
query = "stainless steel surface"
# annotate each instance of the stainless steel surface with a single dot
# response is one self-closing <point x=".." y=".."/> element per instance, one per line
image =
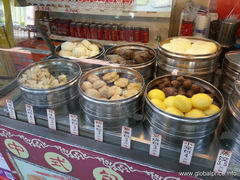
<point x="230" y="135"/>
<point x="147" y="69"/>
<point x="84" y="66"/>
<point x="226" y="35"/>
<point x="202" y="66"/>
<point x="114" y="114"/>
<point x="54" y="96"/>
<point x="175" y="129"/>
<point x="231" y="71"/>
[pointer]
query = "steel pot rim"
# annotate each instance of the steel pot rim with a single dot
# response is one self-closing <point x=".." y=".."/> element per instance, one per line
<point x="188" y="56"/>
<point x="134" y="65"/>
<point x="181" y="118"/>
<point x="233" y="65"/>
<point x="54" y="89"/>
<point x="108" y="102"/>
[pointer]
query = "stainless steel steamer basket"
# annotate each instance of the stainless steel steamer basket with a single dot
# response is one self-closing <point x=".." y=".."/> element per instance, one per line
<point x="175" y="129"/>
<point x="231" y="71"/>
<point x="116" y="113"/>
<point x="57" y="96"/>
<point x="147" y="69"/>
<point x="230" y="136"/>
<point x="86" y="67"/>
<point x="202" y="66"/>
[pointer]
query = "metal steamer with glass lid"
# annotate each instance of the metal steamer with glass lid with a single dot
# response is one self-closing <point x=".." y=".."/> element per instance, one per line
<point x="198" y="65"/>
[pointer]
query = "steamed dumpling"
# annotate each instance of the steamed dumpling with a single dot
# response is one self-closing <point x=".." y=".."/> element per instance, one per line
<point x="93" y="47"/>
<point x="65" y="53"/>
<point x="86" y="43"/>
<point x="67" y="46"/>
<point x="78" y="51"/>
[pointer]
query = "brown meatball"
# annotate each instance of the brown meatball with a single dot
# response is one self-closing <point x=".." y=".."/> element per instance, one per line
<point x="114" y="58"/>
<point x="141" y="56"/>
<point x="182" y="91"/>
<point x="170" y="91"/>
<point x="195" y="88"/>
<point x="165" y="79"/>
<point x="175" y="83"/>
<point x="187" y="84"/>
<point x="189" y="93"/>
<point x="167" y="84"/>
<point x="125" y="53"/>
<point x="181" y="79"/>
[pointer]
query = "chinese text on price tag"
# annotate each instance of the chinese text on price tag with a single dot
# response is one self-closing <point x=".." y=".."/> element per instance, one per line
<point x="98" y="130"/>
<point x="186" y="152"/>
<point x="155" y="145"/>
<point x="51" y="119"/>
<point x="30" y="114"/>
<point x="222" y="161"/>
<point x="73" y="120"/>
<point x="126" y="137"/>
<point x="11" y="110"/>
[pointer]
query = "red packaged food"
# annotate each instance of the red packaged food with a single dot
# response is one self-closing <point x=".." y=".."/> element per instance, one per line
<point x="144" y="35"/>
<point x="93" y="31"/>
<point x="100" y="32"/>
<point x="86" y="31"/>
<point x="136" y="34"/>
<point x="107" y="32"/>
<point x="122" y="33"/>
<point x="73" y="29"/>
<point x="114" y="33"/>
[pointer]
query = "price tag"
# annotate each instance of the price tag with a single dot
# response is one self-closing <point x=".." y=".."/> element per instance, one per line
<point x="98" y="130"/>
<point x="126" y="137"/>
<point x="11" y="110"/>
<point x="186" y="152"/>
<point x="222" y="161"/>
<point x="30" y="114"/>
<point x="155" y="145"/>
<point x="73" y="121"/>
<point x="51" y="119"/>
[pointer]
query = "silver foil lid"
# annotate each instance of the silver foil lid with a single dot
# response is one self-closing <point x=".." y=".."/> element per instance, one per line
<point x="232" y="59"/>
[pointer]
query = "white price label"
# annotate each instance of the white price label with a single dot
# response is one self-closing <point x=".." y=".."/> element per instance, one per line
<point x="155" y="145"/>
<point x="222" y="162"/>
<point x="11" y="110"/>
<point x="186" y="152"/>
<point x="126" y="137"/>
<point x="30" y="114"/>
<point x="98" y="130"/>
<point x="73" y="121"/>
<point x="51" y="119"/>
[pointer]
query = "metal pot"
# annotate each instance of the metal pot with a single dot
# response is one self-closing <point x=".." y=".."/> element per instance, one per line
<point x="147" y="69"/>
<point x="84" y="66"/>
<point x="56" y="96"/>
<point x="230" y="135"/>
<point x="202" y="66"/>
<point x="175" y="129"/>
<point x="114" y="114"/>
<point x="231" y="71"/>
